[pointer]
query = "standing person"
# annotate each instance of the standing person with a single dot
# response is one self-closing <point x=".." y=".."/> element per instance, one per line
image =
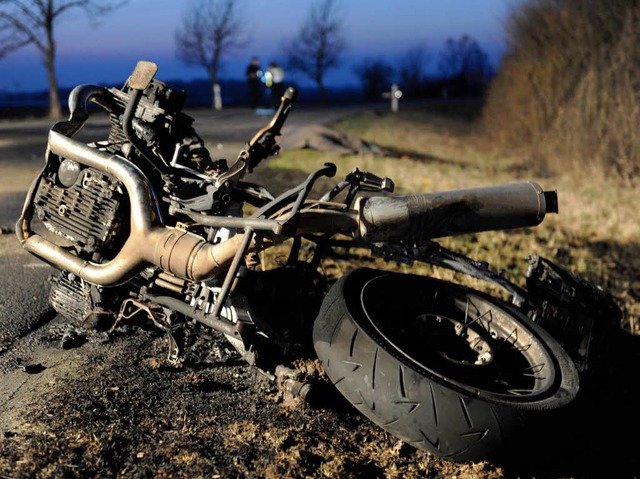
<point x="275" y="80"/>
<point x="254" y="76"/>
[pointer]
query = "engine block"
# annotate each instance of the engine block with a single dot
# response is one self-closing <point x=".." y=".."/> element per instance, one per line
<point x="83" y="214"/>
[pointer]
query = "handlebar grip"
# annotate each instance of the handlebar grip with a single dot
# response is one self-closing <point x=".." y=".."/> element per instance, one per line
<point x="286" y="102"/>
<point x="290" y="94"/>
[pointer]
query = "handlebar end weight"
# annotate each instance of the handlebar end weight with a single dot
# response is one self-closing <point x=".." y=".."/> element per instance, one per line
<point x="290" y="94"/>
<point x="330" y="170"/>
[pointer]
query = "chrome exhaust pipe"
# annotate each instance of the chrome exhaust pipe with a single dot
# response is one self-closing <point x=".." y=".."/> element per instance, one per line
<point x="450" y="213"/>
<point x="150" y="242"/>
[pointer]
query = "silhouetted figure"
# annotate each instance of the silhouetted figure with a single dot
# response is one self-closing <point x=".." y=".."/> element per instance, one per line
<point x="275" y="81"/>
<point x="254" y="76"/>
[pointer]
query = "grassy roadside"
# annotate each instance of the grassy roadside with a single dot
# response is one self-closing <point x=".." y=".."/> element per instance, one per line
<point x="596" y="233"/>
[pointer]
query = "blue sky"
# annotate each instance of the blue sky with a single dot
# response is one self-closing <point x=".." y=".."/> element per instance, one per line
<point x="106" y="51"/>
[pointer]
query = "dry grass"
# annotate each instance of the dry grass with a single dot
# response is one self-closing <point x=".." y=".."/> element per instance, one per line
<point x="596" y="233"/>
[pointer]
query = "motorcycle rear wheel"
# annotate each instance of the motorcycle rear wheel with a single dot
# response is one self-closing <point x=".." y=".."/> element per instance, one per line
<point x="446" y="368"/>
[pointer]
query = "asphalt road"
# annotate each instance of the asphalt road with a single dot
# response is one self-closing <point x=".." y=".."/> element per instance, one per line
<point x="24" y="286"/>
<point x="23" y="282"/>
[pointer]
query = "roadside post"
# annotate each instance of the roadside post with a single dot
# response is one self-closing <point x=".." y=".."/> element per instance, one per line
<point x="395" y="94"/>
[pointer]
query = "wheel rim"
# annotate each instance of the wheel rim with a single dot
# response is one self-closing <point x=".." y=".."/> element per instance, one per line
<point x="459" y="336"/>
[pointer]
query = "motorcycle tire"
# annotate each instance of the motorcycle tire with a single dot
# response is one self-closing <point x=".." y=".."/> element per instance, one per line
<point x="445" y="368"/>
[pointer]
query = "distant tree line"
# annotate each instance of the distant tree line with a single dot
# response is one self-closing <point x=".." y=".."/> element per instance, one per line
<point x="211" y="29"/>
<point x="568" y="90"/>
<point x="463" y="71"/>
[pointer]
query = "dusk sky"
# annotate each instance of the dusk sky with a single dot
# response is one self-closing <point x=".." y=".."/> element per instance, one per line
<point x="105" y="52"/>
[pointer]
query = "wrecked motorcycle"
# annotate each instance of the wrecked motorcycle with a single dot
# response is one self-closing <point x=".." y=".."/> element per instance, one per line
<point x="146" y="223"/>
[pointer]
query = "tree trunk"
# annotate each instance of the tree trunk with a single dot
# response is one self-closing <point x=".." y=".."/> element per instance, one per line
<point x="55" y="110"/>
<point x="318" y="77"/>
<point x="323" y="91"/>
<point x="217" y="97"/>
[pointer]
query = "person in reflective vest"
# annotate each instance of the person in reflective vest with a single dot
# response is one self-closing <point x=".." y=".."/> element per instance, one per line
<point x="274" y="80"/>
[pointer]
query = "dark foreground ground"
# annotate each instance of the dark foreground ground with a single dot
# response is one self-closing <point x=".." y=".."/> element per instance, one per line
<point x="75" y="402"/>
<point x="78" y="403"/>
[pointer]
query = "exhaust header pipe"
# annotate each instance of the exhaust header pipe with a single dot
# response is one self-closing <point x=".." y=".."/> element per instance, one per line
<point x="150" y="242"/>
<point x="450" y="213"/>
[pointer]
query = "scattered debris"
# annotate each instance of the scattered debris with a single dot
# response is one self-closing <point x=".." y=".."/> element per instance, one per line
<point x="72" y="338"/>
<point x="288" y="380"/>
<point x="324" y="138"/>
<point x="33" y="368"/>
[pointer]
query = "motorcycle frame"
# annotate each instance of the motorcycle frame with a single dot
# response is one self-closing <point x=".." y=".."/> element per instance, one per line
<point x="373" y="223"/>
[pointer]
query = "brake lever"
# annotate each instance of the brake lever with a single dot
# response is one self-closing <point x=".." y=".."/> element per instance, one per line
<point x="360" y="181"/>
<point x="370" y="182"/>
<point x="263" y="144"/>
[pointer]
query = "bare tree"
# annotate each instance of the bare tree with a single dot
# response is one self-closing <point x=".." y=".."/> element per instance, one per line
<point x="375" y="76"/>
<point x="210" y="29"/>
<point x="26" y="22"/>
<point x="318" y="45"/>
<point x="412" y="66"/>
<point x="465" y="66"/>
<point x="463" y="57"/>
